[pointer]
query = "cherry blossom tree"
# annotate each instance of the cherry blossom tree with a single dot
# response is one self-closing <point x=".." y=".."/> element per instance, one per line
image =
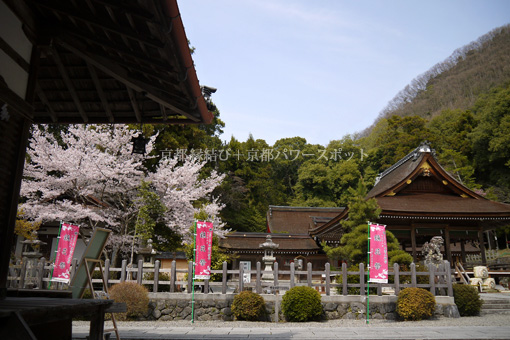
<point x="179" y="186"/>
<point x="91" y="177"/>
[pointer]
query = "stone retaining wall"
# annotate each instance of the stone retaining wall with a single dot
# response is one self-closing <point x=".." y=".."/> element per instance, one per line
<point x="177" y="306"/>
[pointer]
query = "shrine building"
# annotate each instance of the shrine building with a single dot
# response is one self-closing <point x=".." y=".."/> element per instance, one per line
<point x="289" y="228"/>
<point x="419" y="200"/>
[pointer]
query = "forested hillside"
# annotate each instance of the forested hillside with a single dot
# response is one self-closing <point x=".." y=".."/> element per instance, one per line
<point x="456" y="82"/>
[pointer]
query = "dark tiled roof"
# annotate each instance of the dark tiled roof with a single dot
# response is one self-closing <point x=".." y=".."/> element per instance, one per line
<point x="397" y="172"/>
<point x="298" y="220"/>
<point x="430" y="204"/>
<point x="286" y="242"/>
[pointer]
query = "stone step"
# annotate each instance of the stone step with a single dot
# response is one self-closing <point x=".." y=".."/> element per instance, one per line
<point x="495" y="306"/>
<point x="494" y="311"/>
<point x="497" y="302"/>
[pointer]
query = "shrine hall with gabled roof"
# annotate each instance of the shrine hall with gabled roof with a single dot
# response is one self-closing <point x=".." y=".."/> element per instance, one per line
<point x="420" y="199"/>
<point x="289" y="228"/>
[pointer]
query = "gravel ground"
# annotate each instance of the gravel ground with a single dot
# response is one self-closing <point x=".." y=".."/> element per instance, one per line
<point x="485" y="320"/>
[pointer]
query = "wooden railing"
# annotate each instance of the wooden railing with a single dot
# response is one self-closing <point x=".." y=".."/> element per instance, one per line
<point x="437" y="280"/>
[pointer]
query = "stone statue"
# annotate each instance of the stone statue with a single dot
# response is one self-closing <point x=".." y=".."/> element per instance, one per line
<point x="432" y="251"/>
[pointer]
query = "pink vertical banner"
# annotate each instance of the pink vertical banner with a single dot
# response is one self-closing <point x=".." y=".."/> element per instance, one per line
<point x="65" y="252"/>
<point x="203" y="250"/>
<point x="378" y="254"/>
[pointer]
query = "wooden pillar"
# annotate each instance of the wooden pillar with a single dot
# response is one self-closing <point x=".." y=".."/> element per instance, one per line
<point x="15" y="132"/>
<point x="462" y="251"/>
<point x="482" y="246"/>
<point x="448" y="244"/>
<point x="13" y="148"/>
<point x="413" y="243"/>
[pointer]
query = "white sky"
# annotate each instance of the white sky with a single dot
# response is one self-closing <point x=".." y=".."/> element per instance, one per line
<point x="322" y="69"/>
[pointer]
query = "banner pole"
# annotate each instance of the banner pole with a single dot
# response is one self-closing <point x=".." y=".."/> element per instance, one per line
<point x="56" y="251"/>
<point x="368" y="274"/>
<point x="193" y="273"/>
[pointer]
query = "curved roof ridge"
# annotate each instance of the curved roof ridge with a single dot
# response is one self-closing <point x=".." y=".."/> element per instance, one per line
<point x="424" y="147"/>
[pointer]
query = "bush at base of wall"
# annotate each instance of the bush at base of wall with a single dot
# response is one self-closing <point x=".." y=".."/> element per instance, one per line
<point x="135" y="296"/>
<point x="415" y="304"/>
<point x="248" y="306"/>
<point x="467" y="299"/>
<point x="302" y="304"/>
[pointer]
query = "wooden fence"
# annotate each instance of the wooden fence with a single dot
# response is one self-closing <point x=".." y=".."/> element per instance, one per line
<point x="26" y="274"/>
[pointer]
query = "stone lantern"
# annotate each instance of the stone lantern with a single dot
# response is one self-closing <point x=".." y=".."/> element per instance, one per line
<point x="146" y="253"/>
<point x="269" y="246"/>
<point x="31" y="248"/>
<point x="31" y="254"/>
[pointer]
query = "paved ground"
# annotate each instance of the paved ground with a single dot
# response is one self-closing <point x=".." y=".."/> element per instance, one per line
<point x="480" y="327"/>
<point x="368" y="332"/>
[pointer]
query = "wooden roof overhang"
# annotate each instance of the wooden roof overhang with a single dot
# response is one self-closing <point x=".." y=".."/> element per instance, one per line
<point x="103" y="61"/>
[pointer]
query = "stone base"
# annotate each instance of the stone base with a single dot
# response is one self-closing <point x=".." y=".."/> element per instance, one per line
<point x="177" y="306"/>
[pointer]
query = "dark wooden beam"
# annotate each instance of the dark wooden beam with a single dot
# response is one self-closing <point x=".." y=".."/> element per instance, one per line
<point x="11" y="52"/>
<point x="91" y="7"/>
<point x="134" y="104"/>
<point x="88" y="18"/>
<point x="112" y="15"/>
<point x="35" y="61"/>
<point x="168" y="51"/>
<point x="69" y="84"/>
<point x="124" y="7"/>
<point x="12" y="99"/>
<point x="100" y="92"/>
<point x="121" y="75"/>
<point x="24" y="13"/>
<point x="123" y="50"/>
<point x="163" y="112"/>
<point x="47" y="104"/>
<point x="69" y="119"/>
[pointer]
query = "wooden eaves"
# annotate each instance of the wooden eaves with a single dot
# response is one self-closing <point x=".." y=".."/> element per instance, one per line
<point x="111" y="62"/>
<point x="90" y="61"/>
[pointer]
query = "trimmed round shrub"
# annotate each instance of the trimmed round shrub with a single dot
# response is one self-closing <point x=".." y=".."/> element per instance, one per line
<point x="135" y="296"/>
<point x="415" y="304"/>
<point x="467" y="299"/>
<point x="302" y="304"/>
<point x="248" y="306"/>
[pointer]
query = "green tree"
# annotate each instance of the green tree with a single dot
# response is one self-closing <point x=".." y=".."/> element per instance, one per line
<point x="24" y="227"/>
<point x="354" y="243"/>
<point x="354" y="247"/>
<point x="324" y="180"/>
<point x="401" y="135"/>
<point x="150" y="212"/>
<point x="490" y="139"/>
<point x="361" y="210"/>
<point x="252" y="184"/>
<point x="452" y="130"/>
